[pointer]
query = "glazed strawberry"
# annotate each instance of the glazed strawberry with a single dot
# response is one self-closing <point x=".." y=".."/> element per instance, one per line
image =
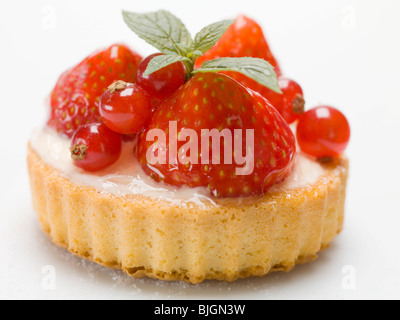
<point x="125" y="108"/>
<point x="214" y="101"/>
<point x="75" y="98"/>
<point x="245" y="38"/>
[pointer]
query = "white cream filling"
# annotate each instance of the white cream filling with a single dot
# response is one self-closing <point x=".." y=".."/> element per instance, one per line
<point x="126" y="177"/>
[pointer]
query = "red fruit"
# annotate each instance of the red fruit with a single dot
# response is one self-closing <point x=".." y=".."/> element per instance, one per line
<point x="76" y="96"/>
<point x="164" y="82"/>
<point x="244" y="38"/>
<point x="95" y="147"/>
<point x="125" y="108"/>
<point x="290" y="103"/>
<point x="323" y="132"/>
<point x="214" y="101"/>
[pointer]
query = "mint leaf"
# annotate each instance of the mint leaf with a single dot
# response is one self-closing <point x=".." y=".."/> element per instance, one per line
<point x="209" y="35"/>
<point x="162" y="30"/>
<point x="254" y="68"/>
<point x="160" y="62"/>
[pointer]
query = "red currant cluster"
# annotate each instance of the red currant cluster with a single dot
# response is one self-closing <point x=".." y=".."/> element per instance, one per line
<point x="126" y="109"/>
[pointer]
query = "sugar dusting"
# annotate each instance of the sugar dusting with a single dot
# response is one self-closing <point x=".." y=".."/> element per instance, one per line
<point x="95" y="275"/>
<point x="91" y="275"/>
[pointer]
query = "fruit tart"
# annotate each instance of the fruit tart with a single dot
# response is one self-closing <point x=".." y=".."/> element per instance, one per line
<point x="198" y="162"/>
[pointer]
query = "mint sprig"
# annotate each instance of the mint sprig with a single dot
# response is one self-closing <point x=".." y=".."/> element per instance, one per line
<point x="169" y="35"/>
<point x="254" y="68"/>
<point x="209" y="35"/>
<point x="162" y="30"/>
<point x="160" y="62"/>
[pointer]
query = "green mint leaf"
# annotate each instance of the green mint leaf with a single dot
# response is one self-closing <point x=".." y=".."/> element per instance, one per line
<point x="209" y="36"/>
<point x="160" y="62"/>
<point x="254" y="68"/>
<point x="162" y="30"/>
<point x="196" y="54"/>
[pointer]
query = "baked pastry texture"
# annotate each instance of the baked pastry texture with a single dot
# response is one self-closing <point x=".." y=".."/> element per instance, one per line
<point x="238" y="238"/>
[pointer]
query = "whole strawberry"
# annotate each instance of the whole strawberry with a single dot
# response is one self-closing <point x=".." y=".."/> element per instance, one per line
<point x="244" y="38"/>
<point x="214" y="101"/>
<point x="75" y="98"/>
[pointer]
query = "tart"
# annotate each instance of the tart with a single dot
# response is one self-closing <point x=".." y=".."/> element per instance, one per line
<point x="174" y="239"/>
<point x="193" y="225"/>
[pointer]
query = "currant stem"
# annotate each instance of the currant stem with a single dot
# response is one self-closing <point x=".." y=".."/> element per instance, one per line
<point x="117" y="85"/>
<point x="78" y="152"/>
<point x="299" y="105"/>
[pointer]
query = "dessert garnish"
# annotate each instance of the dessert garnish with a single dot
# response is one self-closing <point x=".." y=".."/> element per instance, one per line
<point x="324" y="133"/>
<point x="218" y="101"/>
<point x="95" y="147"/>
<point x="210" y="100"/>
<point x="76" y="96"/>
<point x="126" y="108"/>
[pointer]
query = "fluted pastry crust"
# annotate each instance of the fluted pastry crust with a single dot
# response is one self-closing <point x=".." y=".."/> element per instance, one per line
<point x="239" y="238"/>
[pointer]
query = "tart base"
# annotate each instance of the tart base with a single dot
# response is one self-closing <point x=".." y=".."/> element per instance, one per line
<point x="238" y="238"/>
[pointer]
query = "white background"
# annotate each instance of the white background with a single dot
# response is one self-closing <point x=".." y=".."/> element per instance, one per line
<point x="344" y="53"/>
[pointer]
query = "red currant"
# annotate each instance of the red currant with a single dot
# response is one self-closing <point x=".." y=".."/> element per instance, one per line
<point x="323" y="132"/>
<point x="162" y="83"/>
<point x="95" y="147"/>
<point x="290" y="103"/>
<point x="125" y="108"/>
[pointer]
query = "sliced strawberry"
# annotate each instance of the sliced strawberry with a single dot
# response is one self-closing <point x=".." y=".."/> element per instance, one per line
<point x="214" y="101"/>
<point x="75" y="98"/>
<point x="245" y="38"/>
